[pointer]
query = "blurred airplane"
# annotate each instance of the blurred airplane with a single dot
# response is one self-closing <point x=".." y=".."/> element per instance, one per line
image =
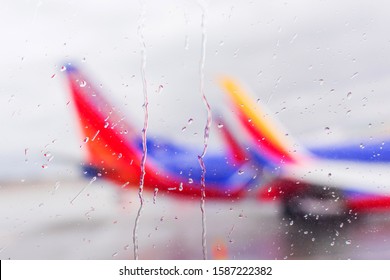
<point x="115" y="150"/>
<point x="317" y="182"/>
<point x="324" y="181"/>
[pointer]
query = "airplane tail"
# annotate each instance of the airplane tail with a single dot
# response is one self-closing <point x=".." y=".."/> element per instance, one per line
<point x="106" y="134"/>
<point x="264" y="135"/>
<point x="114" y="150"/>
<point x="268" y="146"/>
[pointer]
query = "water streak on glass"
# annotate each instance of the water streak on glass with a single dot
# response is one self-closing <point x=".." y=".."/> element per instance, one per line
<point x="81" y="191"/>
<point x="206" y="129"/>
<point x="144" y="130"/>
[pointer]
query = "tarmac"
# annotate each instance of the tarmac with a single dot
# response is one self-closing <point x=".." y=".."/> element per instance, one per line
<point x="38" y="221"/>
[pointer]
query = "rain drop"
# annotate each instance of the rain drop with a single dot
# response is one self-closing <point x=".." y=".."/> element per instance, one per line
<point x="187" y="43"/>
<point x="190" y="121"/>
<point x="348" y="242"/>
<point x="349" y="95"/>
<point x="220" y="125"/>
<point x="82" y="84"/>
<point x="354" y="75"/>
<point x="155" y="195"/>
<point x="160" y="88"/>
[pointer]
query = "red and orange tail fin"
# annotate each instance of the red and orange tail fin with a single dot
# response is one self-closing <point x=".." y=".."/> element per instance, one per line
<point x="264" y="133"/>
<point x="109" y="139"/>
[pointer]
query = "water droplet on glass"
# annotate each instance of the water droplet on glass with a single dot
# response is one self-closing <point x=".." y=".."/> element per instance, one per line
<point x="236" y="53"/>
<point x="52" y="76"/>
<point x="220" y="125"/>
<point x="221" y="43"/>
<point x="115" y="254"/>
<point x="63" y="68"/>
<point x="190" y="121"/>
<point x="47" y="154"/>
<point x="56" y="187"/>
<point x="82" y="83"/>
<point x="155" y="195"/>
<point x="240" y="172"/>
<point x="293" y="38"/>
<point x="160" y="88"/>
<point x="187" y="43"/>
<point x="321" y="81"/>
<point x="181" y="187"/>
<point x="349" y="95"/>
<point x="86" y="139"/>
<point x="341" y="225"/>
<point x="348" y="242"/>
<point x="291" y="223"/>
<point x="332" y="243"/>
<point x="45" y="166"/>
<point x="190" y="180"/>
<point x="354" y="75"/>
<point x="361" y="146"/>
<point x="183" y="128"/>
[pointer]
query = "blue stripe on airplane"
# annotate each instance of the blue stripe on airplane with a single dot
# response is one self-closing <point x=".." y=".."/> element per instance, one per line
<point x="378" y="151"/>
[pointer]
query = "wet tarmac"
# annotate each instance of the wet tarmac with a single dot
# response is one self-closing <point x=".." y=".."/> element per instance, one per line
<point x="39" y="222"/>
